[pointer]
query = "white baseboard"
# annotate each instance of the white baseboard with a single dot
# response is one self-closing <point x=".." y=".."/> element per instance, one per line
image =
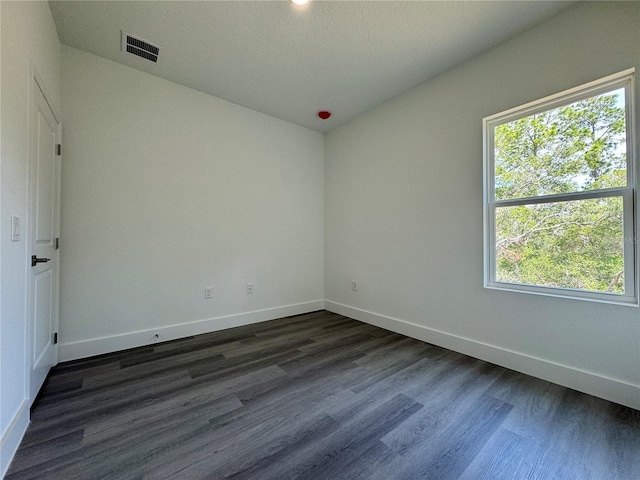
<point x="594" y="384"/>
<point x="12" y="437"/>
<point x="98" y="346"/>
<point x="612" y="389"/>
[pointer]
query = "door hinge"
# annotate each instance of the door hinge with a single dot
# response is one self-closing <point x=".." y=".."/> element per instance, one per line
<point x="55" y="338"/>
<point x="57" y="243"/>
<point x="59" y="149"/>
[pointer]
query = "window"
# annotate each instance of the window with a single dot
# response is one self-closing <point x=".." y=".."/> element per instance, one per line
<point x="560" y="193"/>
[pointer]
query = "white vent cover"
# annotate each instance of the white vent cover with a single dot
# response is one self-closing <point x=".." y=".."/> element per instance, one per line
<point x="139" y="47"/>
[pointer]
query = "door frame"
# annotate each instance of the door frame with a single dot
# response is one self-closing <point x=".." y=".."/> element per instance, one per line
<point x="37" y="83"/>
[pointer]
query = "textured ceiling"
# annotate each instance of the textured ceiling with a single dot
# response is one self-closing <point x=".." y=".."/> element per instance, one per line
<point x="290" y="62"/>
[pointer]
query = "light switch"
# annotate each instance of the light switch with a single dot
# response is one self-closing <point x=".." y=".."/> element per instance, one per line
<point x="15" y="228"/>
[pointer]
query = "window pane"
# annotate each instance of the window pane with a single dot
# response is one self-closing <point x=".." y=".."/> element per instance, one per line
<point x="575" y="244"/>
<point x="577" y="147"/>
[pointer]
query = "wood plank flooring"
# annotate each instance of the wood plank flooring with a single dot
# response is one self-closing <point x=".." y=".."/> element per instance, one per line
<point x="317" y="396"/>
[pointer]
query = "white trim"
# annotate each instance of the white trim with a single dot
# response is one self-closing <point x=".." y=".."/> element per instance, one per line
<point x="566" y="197"/>
<point x="585" y="90"/>
<point x="98" y="346"/>
<point x="38" y="79"/>
<point x="12" y="437"/>
<point x="609" y="388"/>
<point x="559" y="292"/>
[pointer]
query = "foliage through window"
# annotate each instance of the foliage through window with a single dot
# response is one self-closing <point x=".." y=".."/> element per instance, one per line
<point x="559" y="194"/>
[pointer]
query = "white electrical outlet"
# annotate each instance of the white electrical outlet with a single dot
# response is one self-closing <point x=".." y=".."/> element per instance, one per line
<point x="354" y="285"/>
<point x="249" y="287"/>
<point x="208" y="292"/>
<point x="15" y="228"/>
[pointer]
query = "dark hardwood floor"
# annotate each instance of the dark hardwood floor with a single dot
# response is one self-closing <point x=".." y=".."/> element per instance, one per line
<point x="317" y="396"/>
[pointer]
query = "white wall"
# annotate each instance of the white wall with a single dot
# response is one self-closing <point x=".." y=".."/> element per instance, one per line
<point x="404" y="212"/>
<point x="165" y="191"/>
<point x="28" y="37"/>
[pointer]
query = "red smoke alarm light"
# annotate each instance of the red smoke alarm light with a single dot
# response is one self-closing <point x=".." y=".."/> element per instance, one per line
<point x="324" y="114"/>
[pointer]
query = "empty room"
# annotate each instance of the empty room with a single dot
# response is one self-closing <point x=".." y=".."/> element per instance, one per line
<point x="319" y="240"/>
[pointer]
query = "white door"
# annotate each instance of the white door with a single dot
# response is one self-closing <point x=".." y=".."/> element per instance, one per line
<point x="43" y="219"/>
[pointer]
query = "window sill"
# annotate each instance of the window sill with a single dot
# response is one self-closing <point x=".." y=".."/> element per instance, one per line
<point x="566" y="293"/>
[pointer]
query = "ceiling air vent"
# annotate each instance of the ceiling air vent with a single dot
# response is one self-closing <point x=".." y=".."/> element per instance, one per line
<point x="140" y="47"/>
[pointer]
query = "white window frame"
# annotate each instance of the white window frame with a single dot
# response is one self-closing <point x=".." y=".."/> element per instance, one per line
<point x="624" y="79"/>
